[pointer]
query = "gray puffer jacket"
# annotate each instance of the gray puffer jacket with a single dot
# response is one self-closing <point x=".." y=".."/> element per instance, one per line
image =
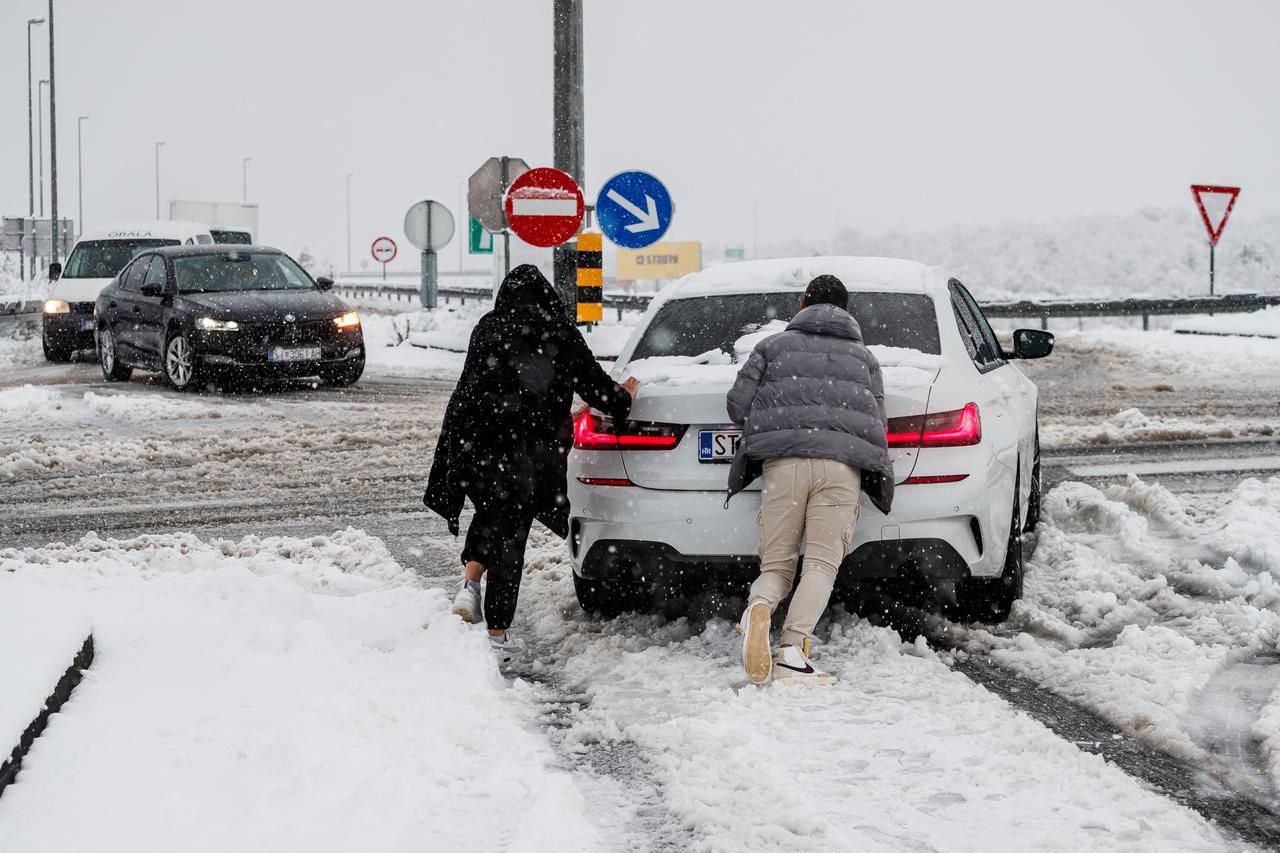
<point x="813" y="391"/>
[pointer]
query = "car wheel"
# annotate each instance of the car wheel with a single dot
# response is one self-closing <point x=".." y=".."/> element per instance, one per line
<point x="112" y="369"/>
<point x="1033" y="499"/>
<point x="56" y="352"/>
<point x="181" y="365"/>
<point x="991" y="599"/>
<point x="344" y="374"/>
<point x="606" y="596"/>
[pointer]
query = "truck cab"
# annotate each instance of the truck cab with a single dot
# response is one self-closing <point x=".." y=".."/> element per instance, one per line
<point x="98" y="257"/>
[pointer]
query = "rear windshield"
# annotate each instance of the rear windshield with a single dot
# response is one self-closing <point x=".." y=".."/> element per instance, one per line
<point x="249" y="271"/>
<point x="229" y="237"/>
<point x="105" y="258"/>
<point x="693" y="326"/>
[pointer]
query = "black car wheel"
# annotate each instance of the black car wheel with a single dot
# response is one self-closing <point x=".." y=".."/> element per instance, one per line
<point x="112" y="369"/>
<point x="59" y="352"/>
<point x="181" y="364"/>
<point x="991" y="599"/>
<point x="343" y="374"/>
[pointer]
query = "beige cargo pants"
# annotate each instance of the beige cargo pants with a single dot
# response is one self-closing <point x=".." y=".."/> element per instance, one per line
<point x="817" y="498"/>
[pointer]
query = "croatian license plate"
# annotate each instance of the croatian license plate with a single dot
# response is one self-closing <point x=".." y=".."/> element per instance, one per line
<point x="293" y="354"/>
<point x="718" y="445"/>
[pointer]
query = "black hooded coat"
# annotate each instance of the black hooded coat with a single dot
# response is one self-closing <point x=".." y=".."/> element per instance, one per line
<point x="507" y="431"/>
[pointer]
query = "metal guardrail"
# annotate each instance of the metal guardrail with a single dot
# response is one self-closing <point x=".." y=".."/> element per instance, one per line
<point x="1044" y="309"/>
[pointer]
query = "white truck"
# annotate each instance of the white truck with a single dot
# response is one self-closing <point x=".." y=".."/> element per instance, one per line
<point x="228" y="221"/>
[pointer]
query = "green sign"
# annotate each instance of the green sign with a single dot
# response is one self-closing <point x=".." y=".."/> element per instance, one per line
<point x="481" y="240"/>
<point x="735" y="253"/>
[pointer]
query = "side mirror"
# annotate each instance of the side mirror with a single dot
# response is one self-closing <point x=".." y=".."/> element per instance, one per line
<point x="151" y="289"/>
<point x="55" y="271"/>
<point x="1032" y="343"/>
<point x="324" y="282"/>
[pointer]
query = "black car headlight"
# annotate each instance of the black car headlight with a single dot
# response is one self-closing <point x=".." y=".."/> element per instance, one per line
<point x="210" y="324"/>
<point x="348" y="320"/>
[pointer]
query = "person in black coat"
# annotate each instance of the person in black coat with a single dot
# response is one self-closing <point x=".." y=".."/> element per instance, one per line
<point x="506" y="436"/>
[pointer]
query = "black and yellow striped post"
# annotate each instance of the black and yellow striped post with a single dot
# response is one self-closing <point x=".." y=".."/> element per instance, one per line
<point x="590" y="278"/>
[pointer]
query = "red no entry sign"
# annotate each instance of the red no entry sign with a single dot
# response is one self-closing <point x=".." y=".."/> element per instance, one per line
<point x="1215" y="205"/>
<point x="544" y="207"/>
<point x="384" y="250"/>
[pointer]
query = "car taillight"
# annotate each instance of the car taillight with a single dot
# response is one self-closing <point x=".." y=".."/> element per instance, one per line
<point x="600" y="432"/>
<point x="957" y="428"/>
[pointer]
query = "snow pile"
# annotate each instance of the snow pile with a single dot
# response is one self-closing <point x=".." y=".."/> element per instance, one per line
<point x="902" y="753"/>
<point x="279" y="694"/>
<point x="19" y="346"/>
<point x="1137" y="599"/>
<point x="1132" y="426"/>
<point x="1263" y="324"/>
<point x="1169" y="355"/>
<point x="41" y="632"/>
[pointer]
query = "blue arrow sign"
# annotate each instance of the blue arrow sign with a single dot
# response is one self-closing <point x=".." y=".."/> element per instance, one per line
<point x="634" y="209"/>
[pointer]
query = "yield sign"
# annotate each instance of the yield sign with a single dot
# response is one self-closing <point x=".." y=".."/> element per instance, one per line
<point x="544" y="207"/>
<point x="1215" y="205"/>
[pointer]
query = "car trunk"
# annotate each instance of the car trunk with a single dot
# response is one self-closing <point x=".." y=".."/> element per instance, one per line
<point x="702" y="407"/>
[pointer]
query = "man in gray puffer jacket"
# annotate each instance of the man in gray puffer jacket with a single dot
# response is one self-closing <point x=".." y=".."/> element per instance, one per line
<point x="811" y="401"/>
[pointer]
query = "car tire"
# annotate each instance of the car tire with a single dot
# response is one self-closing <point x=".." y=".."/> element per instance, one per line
<point x="56" y="352"/>
<point x="344" y="374"/>
<point x="179" y="363"/>
<point x="606" y="596"/>
<point x="1033" y="498"/>
<point x="112" y="369"/>
<point x="991" y="599"/>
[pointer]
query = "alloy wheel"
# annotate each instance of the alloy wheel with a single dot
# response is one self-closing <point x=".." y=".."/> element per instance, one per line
<point x="107" y="351"/>
<point x="178" y="361"/>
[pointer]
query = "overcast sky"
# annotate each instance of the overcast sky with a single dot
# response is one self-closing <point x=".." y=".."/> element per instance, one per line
<point x="872" y="115"/>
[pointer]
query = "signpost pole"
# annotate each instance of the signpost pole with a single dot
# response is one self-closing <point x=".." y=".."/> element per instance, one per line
<point x="506" y="226"/>
<point x="1211" y="247"/>
<point x="568" y="141"/>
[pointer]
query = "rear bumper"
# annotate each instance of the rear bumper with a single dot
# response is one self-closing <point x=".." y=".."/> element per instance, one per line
<point x="936" y="530"/>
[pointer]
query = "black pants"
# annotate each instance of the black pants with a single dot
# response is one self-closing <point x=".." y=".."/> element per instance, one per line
<point x="496" y="539"/>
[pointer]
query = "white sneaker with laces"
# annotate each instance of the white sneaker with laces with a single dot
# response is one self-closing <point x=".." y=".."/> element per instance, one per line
<point x="792" y="666"/>
<point x="467" y="604"/>
<point x="506" y="648"/>
<point x="755" y="642"/>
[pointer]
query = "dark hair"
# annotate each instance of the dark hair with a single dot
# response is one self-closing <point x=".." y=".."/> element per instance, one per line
<point x="827" y="290"/>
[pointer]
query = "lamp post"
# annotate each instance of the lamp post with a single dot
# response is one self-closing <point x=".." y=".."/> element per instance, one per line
<point x="31" y="157"/>
<point x="53" y="150"/>
<point x="349" y="174"/>
<point x="40" y="137"/>
<point x="80" y="167"/>
<point x="244" y="178"/>
<point x="158" y="144"/>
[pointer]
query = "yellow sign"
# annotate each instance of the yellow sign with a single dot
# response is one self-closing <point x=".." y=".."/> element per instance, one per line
<point x="661" y="260"/>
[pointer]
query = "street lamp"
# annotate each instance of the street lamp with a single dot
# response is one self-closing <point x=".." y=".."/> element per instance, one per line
<point x="31" y="162"/>
<point x="80" y="166"/>
<point x="40" y="137"/>
<point x="158" y="144"/>
<point x="349" y="174"/>
<point x="244" y="178"/>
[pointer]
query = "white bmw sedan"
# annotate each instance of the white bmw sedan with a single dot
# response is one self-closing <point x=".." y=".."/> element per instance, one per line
<point x="649" y="515"/>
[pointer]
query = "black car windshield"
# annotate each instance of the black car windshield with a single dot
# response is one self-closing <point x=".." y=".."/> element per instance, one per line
<point x="105" y="258"/>
<point x="696" y="325"/>
<point x="247" y="271"/>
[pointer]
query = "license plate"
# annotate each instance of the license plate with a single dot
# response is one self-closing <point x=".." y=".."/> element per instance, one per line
<point x="293" y="354"/>
<point x="718" y="445"/>
<point x="86" y="325"/>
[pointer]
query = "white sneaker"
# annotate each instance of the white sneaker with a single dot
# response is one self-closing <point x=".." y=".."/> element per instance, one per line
<point x="467" y="605"/>
<point x="755" y="642"/>
<point x="506" y="648"/>
<point x="792" y="666"/>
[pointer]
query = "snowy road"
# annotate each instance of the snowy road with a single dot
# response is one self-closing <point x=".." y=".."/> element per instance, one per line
<point x="1151" y="618"/>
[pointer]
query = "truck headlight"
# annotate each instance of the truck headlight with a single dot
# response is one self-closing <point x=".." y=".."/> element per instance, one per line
<point x="347" y="320"/>
<point x="209" y="324"/>
<point x="56" y="306"/>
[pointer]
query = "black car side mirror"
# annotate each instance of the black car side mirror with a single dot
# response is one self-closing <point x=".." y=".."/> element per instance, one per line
<point x="324" y="282"/>
<point x="55" y="271"/>
<point x="1032" y="343"/>
<point x="151" y="289"/>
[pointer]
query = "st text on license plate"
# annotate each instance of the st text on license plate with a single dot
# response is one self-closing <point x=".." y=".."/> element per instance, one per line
<point x="718" y="445"/>
<point x="293" y="354"/>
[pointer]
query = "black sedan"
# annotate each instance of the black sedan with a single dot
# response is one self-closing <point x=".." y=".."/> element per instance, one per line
<point x="196" y="313"/>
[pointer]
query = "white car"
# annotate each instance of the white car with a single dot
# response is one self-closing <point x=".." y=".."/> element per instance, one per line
<point x="649" y="515"/>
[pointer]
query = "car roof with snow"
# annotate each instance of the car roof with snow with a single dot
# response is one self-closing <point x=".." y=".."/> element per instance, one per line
<point x="156" y="229"/>
<point x="781" y="274"/>
<point x="227" y="249"/>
